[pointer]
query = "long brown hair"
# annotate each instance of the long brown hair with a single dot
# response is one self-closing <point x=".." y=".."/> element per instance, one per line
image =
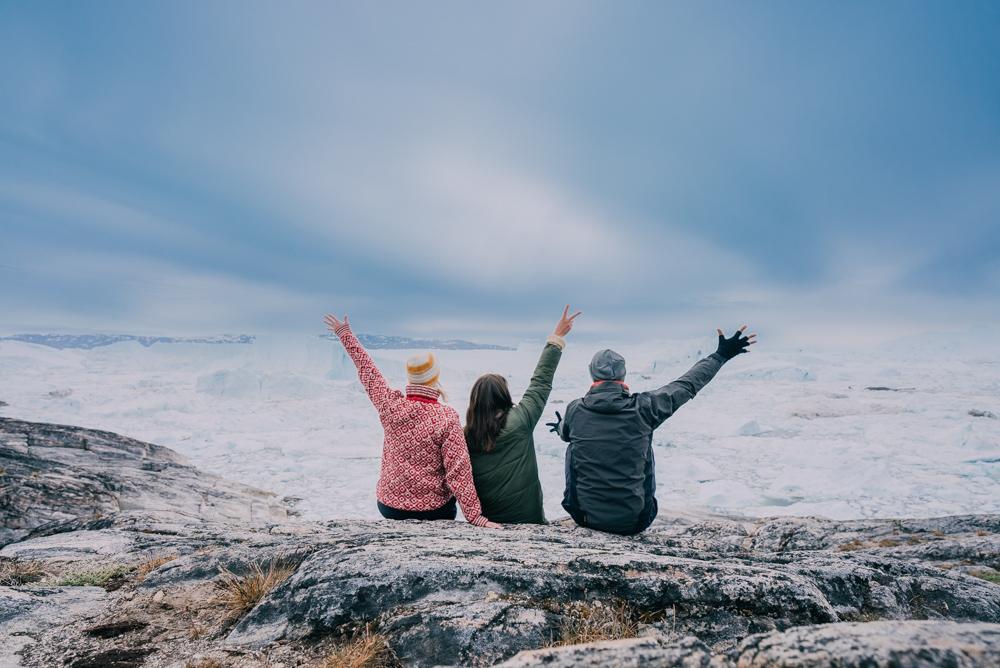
<point x="489" y="403"/>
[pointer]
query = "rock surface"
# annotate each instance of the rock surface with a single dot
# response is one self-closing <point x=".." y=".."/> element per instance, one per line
<point x="899" y="644"/>
<point x="53" y="473"/>
<point x="649" y="652"/>
<point x="902" y="644"/>
<point x="698" y="591"/>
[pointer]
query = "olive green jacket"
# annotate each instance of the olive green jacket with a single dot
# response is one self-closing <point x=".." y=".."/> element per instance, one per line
<point x="507" y="477"/>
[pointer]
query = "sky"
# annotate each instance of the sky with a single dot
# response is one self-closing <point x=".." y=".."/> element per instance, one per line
<point x="465" y="169"/>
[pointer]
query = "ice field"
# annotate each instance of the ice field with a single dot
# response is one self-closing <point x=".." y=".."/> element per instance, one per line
<point x="777" y="432"/>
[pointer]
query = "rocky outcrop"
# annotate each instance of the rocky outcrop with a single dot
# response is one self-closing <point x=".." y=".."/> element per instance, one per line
<point x="897" y="644"/>
<point x="693" y="591"/>
<point x="448" y="593"/>
<point x="27" y="612"/>
<point x="648" y="652"/>
<point x="356" y="574"/>
<point x="909" y="644"/>
<point x="53" y="473"/>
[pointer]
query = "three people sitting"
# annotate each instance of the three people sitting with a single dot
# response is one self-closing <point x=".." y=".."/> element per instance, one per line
<point x="429" y="461"/>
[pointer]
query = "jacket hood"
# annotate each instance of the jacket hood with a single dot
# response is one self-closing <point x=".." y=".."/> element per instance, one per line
<point x="608" y="397"/>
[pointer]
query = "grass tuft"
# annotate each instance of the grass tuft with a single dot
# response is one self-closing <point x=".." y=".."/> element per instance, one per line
<point x="367" y="649"/>
<point x="592" y="621"/>
<point x="240" y="593"/>
<point x="150" y="565"/>
<point x="993" y="577"/>
<point x="866" y="617"/>
<point x="205" y="663"/>
<point x="14" y="573"/>
<point x="850" y="545"/>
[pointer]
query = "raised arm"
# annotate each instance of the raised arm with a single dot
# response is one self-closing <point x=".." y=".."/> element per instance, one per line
<point x="376" y="387"/>
<point x="458" y="473"/>
<point x="533" y="402"/>
<point x="664" y="401"/>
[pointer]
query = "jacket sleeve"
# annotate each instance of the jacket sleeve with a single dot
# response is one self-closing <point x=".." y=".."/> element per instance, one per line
<point x="529" y="409"/>
<point x="663" y="402"/>
<point x="378" y="390"/>
<point x="458" y="471"/>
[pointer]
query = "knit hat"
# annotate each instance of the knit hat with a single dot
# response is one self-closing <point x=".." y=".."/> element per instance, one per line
<point x="422" y="369"/>
<point x="607" y="365"/>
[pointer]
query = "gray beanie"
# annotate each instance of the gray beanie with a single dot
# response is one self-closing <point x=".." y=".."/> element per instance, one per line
<point x="607" y="365"/>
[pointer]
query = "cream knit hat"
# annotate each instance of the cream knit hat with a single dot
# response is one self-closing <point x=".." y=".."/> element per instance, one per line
<point x="423" y="369"/>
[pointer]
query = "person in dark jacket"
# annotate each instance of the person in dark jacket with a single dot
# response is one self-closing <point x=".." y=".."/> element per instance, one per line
<point x="500" y="436"/>
<point x="610" y="472"/>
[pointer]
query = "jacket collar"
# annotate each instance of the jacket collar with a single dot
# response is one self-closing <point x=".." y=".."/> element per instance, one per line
<point x="609" y="386"/>
<point x="422" y="393"/>
<point x="608" y="397"/>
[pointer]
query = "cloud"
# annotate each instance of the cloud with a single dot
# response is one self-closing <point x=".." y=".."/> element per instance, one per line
<point x="461" y="217"/>
<point x="136" y="294"/>
<point x="72" y="207"/>
<point x="457" y="166"/>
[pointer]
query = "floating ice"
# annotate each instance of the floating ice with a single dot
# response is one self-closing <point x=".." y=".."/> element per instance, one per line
<point x="775" y="433"/>
<point x="777" y="373"/>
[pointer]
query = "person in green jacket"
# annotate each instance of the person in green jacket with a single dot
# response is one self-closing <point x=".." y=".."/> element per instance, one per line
<point x="499" y="436"/>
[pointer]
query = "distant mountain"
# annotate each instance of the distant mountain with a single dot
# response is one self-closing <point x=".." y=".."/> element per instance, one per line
<point x="376" y="341"/>
<point x="89" y="341"/>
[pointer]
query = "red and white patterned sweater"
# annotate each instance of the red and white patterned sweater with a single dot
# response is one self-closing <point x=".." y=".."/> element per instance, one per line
<point x="424" y="454"/>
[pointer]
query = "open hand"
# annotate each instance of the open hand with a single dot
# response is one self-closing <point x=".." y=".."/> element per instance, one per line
<point x="565" y="323"/>
<point x="554" y="426"/>
<point x="735" y="344"/>
<point x="493" y="525"/>
<point x="332" y="323"/>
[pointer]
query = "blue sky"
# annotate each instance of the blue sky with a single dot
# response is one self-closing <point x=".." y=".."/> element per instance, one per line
<point x="466" y="168"/>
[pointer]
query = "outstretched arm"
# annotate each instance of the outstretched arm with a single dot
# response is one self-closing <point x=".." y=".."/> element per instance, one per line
<point x="376" y="387"/>
<point x="670" y="397"/>
<point x="458" y="473"/>
<point x="533" y="402"/>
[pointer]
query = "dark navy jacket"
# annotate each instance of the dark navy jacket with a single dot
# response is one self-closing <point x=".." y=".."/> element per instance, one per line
<point x="610" y="472"/>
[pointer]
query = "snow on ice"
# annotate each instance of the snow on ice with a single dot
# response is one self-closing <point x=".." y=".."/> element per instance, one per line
<point x="777" y="432"/>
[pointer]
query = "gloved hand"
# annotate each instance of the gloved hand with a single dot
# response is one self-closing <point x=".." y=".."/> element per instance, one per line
<point x="554" y="426"/>
<point x="735" y="344"/>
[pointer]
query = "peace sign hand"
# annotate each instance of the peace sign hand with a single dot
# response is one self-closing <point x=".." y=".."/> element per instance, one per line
<point x="565" y="323"/>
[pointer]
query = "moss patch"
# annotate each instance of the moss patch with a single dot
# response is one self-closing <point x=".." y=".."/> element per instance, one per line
<point x="102" y="577"/>
<point x="993" y="576"/>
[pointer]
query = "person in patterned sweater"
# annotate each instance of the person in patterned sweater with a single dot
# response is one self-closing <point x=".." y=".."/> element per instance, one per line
<point x="425" y="461"/>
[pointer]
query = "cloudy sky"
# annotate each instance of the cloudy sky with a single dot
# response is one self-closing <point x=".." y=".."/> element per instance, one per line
<point x="467" y="168"/>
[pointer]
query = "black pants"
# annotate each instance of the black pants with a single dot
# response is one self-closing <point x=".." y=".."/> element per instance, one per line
<point x="647" y="517"/>
<point x="446" y="512"/>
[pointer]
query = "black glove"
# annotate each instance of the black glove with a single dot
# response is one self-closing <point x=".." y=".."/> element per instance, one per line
<point x="733" y="346"/>
<point x="554" y="426"/>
